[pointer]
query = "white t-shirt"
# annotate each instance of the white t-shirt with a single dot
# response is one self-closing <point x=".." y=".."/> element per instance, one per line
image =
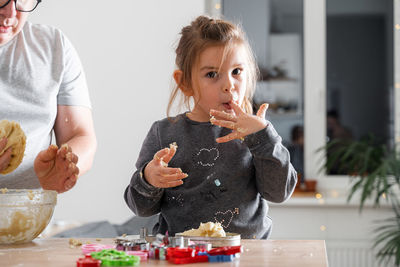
<point x="39" y="69"/>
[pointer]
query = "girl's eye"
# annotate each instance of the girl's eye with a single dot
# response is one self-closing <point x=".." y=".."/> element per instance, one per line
<point x="212" y="74"/>
<point x="236" y="71"/>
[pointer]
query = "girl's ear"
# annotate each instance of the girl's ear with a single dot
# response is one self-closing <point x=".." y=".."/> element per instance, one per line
<point x="178" y="76"/>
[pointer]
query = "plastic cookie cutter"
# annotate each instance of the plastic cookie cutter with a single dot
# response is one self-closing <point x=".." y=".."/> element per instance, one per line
<point x="143" y="255"/>
<point x="89" y="248"/>
<point x="184" y="255"/>
<point x="224" y="254"/>
<point x="195" y="259"/>
<point x="112" y="257"/>
<point x="88" y="261"/>
<point x="221" y="258"/>
<point x="181" y="252"/>
<point x="230" y="250"/>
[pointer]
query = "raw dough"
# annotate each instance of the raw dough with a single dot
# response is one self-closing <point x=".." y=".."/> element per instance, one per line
<point x="16" y="139"/>
<point x="209" y="229"/>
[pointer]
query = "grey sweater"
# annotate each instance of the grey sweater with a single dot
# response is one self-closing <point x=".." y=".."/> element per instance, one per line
<point x="228" y="183"/>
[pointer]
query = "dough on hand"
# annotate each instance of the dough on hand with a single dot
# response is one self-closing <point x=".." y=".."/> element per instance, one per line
<point x="209" y="229"/>
<point x="16" y="139"/>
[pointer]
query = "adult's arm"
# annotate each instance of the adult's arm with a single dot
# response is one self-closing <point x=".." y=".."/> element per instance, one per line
<point x="58" y="168"/>
<point x="74" y="126"/>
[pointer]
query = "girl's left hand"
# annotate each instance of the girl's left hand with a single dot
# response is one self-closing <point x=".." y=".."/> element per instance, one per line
<point x="241" y="123"/>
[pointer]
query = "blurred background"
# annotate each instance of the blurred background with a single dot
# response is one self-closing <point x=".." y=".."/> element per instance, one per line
<point x="330" y="70"/>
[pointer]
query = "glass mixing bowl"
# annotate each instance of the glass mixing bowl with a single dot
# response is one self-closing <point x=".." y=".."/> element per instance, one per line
<point x="24" y="213"/>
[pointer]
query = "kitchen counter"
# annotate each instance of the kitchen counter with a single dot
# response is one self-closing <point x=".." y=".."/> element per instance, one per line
<point x="277" y="253"/>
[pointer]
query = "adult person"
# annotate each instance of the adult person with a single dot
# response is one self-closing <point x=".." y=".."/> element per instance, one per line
<point x="338" y="137"/>
<point x="335" y="129"/>
<point x="43" y="88"/>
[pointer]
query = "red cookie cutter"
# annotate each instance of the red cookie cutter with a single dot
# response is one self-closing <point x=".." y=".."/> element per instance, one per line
<point x="88" y="261"/>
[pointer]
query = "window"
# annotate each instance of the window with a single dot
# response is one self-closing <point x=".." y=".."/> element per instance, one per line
<point x="350" y="67"/>
<point x="344" y="57"/>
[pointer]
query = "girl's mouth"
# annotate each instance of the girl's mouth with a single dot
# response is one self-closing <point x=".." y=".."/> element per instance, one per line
<point x="227" y="106"/>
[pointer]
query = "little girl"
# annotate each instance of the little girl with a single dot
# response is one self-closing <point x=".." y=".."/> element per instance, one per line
<point x="216" y="162"/>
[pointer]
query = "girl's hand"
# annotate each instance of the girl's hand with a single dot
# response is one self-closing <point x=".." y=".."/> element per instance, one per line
<point x="56" y="168"/>
<point x="158" y="174"/>
<point x="241" y="123"/>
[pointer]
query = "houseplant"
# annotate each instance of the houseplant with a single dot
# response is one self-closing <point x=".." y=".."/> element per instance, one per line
<point x="375" y="170"/>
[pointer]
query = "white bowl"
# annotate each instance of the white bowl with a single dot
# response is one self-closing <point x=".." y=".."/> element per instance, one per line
<point x="24" y="213"/>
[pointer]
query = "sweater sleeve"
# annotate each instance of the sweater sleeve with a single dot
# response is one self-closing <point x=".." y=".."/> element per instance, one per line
<point x="275" y="176"/>
<point x="141" y="197"/>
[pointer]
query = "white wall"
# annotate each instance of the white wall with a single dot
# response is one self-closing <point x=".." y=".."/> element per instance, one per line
<point x="127" y="49"/>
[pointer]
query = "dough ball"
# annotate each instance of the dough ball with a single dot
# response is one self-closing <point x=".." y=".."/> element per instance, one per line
<point x="16" y="139"/>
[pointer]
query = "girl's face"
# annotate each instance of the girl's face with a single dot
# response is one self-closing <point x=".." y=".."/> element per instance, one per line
<point x="216" y="85"/>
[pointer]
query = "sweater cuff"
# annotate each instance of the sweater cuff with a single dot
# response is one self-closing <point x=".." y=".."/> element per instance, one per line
<point x="268" y="135"/>
<point x="142" y="186"/>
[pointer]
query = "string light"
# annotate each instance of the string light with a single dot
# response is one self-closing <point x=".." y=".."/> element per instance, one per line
<point x="218" y="6"/>
<point x="322" y="228"/>
<point x="318" y="196"/>
<point x="397" y="85"/>
<point x="397" y="26"/>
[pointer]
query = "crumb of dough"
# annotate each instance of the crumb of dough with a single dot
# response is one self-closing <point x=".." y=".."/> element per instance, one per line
<point x="74" y="243"/>
<point x="241" y="130"/>
<point x="98" y="239"/>
<point x="123" y="235"/>
<point x="30" y="194"/>
<point x="64" y="145"/>
<point x="173" y="145"/>
<point x="4" y="190"/>
<point x="164" y="164"/>
<point x="208" y="229"/>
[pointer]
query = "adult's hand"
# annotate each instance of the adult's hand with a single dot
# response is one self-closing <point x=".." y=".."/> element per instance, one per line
<point x="56" y="168"/>
<point x="5" y="158"/>
<point x="73" y="126"/>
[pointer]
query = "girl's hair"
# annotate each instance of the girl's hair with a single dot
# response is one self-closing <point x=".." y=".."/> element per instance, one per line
<point x="205" y="32"/>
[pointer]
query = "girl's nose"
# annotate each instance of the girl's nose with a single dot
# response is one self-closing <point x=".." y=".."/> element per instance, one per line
<point x="228" y="86"/>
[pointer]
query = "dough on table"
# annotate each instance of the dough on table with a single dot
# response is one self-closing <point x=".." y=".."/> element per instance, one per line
<point x="16" y="139"/>
<point x="208" y="229"/>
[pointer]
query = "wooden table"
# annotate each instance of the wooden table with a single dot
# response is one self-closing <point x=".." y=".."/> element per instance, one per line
<point x="277" y="253"/>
